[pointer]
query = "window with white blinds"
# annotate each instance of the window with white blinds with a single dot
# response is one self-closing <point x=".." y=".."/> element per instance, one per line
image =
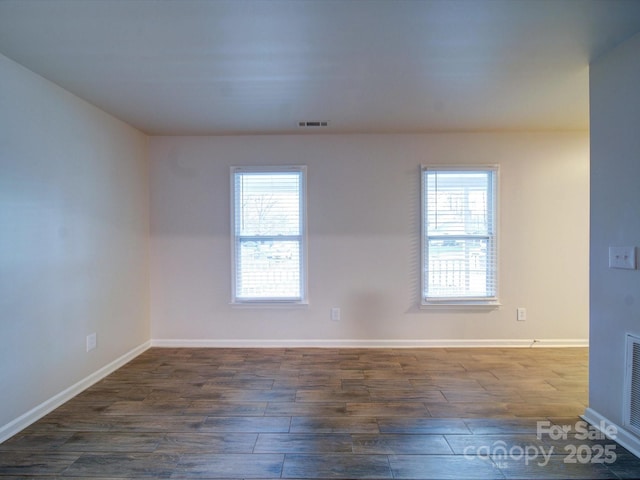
<point x="268" y="234"/>
<point x="459" y="244"/>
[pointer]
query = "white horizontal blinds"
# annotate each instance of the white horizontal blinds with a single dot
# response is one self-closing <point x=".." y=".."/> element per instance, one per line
<point x="268" y="225"/>
<point x="459" y="234"/>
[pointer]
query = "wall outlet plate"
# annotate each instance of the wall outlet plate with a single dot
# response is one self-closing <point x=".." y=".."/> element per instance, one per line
<point x="92" y="341"/>
<point x="521" y="314"/>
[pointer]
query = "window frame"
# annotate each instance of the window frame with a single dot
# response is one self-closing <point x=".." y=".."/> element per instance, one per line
<point x="489" y="301"/>
<point x="301" y="238"/>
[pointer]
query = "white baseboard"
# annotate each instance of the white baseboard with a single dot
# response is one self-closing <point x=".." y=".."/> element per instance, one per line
<point x="625" y="438"/>
<point x="274" y="343"/>
<point x="36" y="413"/>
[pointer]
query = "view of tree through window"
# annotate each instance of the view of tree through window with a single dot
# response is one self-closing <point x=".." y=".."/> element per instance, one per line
<point x="268" y="234"/>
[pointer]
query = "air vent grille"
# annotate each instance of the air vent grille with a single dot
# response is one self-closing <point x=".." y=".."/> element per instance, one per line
<point x="632" y="385"/>
<point x="313" y="124"/>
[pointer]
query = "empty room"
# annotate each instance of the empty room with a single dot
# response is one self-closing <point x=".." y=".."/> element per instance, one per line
<point x="319" y="239"/>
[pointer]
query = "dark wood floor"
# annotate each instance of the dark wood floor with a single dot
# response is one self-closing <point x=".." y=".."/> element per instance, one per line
<point x="325" y="413"/>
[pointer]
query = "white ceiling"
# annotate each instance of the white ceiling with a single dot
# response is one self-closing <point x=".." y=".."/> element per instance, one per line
<point x="262" y="66"/>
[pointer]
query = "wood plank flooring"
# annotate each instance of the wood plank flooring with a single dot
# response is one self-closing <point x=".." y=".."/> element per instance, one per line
<point x="324" y="413"/>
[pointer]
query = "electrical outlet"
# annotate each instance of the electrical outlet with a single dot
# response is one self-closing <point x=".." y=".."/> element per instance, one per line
<point x="91" y="342"/>
<point x="335" y="314"/>
<point x="521" y="314"/>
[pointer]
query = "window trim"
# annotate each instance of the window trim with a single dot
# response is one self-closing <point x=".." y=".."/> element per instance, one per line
<point x="302" y="300"/>
<point x="460" y="302"/>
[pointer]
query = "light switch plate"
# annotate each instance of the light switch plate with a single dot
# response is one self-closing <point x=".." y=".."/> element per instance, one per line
<point x="622" y="257"/>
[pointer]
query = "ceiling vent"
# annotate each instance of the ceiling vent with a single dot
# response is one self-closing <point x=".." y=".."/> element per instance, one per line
<point x="313" y="124"/>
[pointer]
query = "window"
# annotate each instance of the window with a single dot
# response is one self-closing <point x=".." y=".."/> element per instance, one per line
<point x="459" y="259"/>
<point x="268" y="234"/>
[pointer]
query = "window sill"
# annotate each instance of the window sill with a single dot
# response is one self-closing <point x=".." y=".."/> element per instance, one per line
<point x="269" y="304"/>
<point x="467" y="305"/>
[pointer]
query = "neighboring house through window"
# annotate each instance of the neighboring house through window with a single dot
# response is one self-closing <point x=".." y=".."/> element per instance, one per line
<point x="268" y="234"/>
<point x="459" y="242"/>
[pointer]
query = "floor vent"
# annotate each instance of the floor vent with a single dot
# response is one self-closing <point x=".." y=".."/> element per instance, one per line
<point x="632" y="385"/>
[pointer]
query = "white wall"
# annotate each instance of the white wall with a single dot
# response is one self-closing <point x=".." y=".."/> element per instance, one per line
<point x="73" y="240"/>
<point x="363" y="218"/>
<point x="615" y="220"/>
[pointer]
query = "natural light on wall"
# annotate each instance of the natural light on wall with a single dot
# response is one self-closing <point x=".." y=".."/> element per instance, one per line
<point x="268" y="217"/>
<point x="459" y="261"/>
